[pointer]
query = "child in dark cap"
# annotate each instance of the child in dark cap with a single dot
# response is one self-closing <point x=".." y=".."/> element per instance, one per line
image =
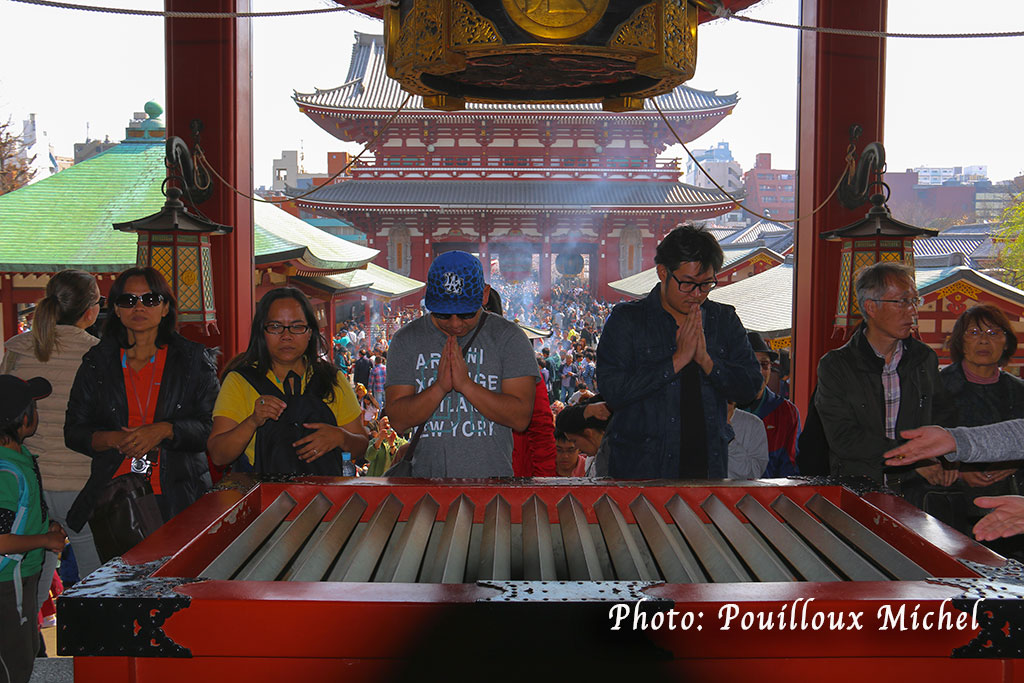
<point x="25" y="529"/>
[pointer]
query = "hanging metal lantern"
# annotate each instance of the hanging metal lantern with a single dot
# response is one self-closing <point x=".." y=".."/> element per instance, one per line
<point x="569" y="264"/>
<point x="616" y="52"/>
<point x="875" y="238"/>
<point x="177" y="244"/>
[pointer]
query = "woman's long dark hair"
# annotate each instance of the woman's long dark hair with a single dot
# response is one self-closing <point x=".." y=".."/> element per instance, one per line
<point x="69" y="295"/>
<point x="325" y="375"/>
<point x="115" y="329"/>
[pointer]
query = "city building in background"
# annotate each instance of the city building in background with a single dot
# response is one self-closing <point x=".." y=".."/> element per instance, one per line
<point x="770" y="192"/>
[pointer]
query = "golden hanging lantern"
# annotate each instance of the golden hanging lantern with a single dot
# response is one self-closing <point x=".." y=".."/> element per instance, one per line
<point x="615" y="52"/>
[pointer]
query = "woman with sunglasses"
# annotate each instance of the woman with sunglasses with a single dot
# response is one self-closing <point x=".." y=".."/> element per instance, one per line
<point x="142" y="400"/>
<point x="53" y="349"/>
<point x="283" y="407"/>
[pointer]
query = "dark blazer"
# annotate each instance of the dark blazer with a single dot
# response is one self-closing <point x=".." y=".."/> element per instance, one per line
<point x="635" y="375"/>
<point x="851" y="402"/>
<point x="361" y="371"/>
<point x="99" y="403"/>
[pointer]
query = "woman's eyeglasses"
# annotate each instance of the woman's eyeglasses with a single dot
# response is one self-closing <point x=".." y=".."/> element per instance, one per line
<point x="460" y="316"/>
<point x="279" y="328"/>
<point x="992" y="333"/>
<point x="149" y="300"/>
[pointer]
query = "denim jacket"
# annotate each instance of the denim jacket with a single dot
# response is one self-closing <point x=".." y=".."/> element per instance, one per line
<point x="635" y="376"/>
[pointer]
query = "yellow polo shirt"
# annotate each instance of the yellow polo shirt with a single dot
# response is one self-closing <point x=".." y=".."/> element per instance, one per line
<point x="237" y="398"/>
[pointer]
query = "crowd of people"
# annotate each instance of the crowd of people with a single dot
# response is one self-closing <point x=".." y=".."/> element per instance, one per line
<point x="109" y="433"/>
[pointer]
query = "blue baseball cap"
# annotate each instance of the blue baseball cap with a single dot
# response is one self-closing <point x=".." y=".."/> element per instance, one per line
<point x="455" y="283"/>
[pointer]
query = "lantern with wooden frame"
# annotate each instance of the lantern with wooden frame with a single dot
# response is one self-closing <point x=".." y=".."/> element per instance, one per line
<point x="176" y="242"/>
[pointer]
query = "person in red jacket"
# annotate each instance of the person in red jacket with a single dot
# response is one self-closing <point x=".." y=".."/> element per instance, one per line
<point x="533" y="451"/>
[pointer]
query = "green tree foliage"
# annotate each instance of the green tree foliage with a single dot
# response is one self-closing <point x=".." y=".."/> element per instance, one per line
<point x="15" y="169"/>
<point x="1011" y="234"/>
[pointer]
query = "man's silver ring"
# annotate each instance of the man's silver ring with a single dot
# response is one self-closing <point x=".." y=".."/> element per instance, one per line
<point x="314" y="451"/>
<point x="262" y="401"/>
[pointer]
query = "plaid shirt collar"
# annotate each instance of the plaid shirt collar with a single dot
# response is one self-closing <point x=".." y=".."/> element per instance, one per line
<point x="891" y="389"/>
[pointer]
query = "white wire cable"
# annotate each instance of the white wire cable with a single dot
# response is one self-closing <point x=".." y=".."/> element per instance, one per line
<point x="722" y="12"/>
<point x="717" y="10"/>
<point x="205" y="15"/>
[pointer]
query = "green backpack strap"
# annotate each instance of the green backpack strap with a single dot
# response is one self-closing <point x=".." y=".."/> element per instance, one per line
<point x="20" y="523"/>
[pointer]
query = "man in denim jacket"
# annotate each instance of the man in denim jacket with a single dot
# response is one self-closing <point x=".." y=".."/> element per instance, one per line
<point x="668" y="364"/>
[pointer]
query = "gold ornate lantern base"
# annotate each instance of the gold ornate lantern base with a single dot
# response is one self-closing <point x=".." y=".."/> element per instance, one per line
<point x="541" y="51"/>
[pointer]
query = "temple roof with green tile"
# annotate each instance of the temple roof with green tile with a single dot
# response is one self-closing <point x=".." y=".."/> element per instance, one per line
<point x="65" y="221"/>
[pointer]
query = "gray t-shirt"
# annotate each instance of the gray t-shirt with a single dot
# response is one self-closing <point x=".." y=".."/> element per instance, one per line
<point x="457" y="440"/>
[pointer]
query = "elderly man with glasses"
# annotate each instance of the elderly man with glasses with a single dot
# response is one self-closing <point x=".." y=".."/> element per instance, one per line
<point x="467" y="376"/>
<point x="881" y="382"/>
<point x="668" y="364"/>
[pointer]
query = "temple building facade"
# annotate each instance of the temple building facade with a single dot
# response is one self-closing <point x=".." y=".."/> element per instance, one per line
<point x="537" y="191"/>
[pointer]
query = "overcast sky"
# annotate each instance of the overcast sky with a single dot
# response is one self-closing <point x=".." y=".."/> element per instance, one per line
<point x="948" y="102"/>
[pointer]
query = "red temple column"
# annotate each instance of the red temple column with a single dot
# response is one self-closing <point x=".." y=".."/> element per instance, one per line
<point x="209" y="68"/>
<point x="842" y="82"/>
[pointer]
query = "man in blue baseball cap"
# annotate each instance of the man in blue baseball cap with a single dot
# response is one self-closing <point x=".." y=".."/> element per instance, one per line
<point x="464" y="374"/>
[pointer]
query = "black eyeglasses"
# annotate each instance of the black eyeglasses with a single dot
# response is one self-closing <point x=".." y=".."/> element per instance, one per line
<point x="279" y="328"/>
<point x="460" y="316"/>
<point x="101" y="302"/>
<point x="905" y="302"/>
<point x="687" y="287"/>
<point x="149" y="300"/>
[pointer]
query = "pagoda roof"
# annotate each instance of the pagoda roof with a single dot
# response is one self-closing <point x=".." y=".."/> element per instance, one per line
<point x="972" y="230"/>
<point x="764" y="302"/>
<point x="280" y="236"/>
<point x="66" y="220"/>
<point x="373" y="279"/>
<point x="640" y="284"/>
<point x="518" y="194"/>
<point x="368" y="89"/>
<point x="762" y="229"/>
<point x="941" y="246"/>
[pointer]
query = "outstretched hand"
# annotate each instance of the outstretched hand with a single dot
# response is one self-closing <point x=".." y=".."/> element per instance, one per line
<point x="922" y="443"/>
<point x="1006" y="518"/>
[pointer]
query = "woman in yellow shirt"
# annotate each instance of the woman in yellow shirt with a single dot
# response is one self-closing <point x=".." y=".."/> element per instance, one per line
<point x="282" y="406"/>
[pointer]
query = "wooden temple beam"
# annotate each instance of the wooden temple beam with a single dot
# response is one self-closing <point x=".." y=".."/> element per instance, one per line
<point x="209" y="77"/>
<point x="842" y="82"/>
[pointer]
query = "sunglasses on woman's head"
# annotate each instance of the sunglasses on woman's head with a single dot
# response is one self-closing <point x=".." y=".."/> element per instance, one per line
<point x="460" y="316"/>
<point x="149" y="299"/>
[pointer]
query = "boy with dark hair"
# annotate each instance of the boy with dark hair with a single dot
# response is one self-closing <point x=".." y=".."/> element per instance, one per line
<point x="569" y="462"/>
<point x="25" y="529"/>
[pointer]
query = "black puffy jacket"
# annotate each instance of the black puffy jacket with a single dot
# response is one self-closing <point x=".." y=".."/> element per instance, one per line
<point x="99" y="403"/>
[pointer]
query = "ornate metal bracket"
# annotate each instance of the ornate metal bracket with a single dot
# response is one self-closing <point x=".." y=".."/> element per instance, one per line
<point x="120" y="611"/>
